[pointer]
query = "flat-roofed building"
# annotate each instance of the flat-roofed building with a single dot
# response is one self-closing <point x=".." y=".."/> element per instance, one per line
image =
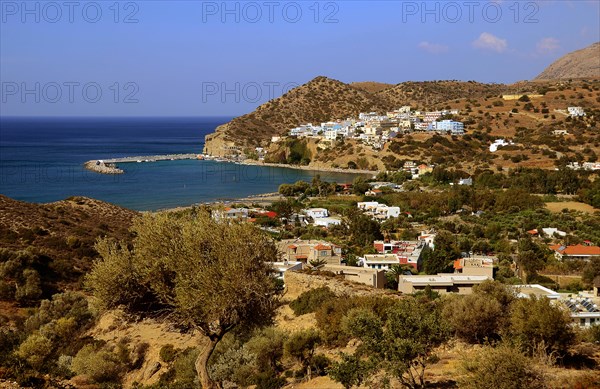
<point x="441" y="283"/>
<point x="475" y="266"/>
<point x="372" y="277"/>
<point x="380" y="261"/>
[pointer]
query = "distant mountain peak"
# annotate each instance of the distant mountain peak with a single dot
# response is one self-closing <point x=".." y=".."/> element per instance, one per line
<point x="583" y="63"/>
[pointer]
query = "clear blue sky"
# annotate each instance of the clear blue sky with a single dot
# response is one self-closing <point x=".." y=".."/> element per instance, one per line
<point x="179" y="58"/>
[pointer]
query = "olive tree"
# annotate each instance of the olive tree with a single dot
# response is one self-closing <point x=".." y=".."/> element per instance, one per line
<point x="403" y="345"/>
<point x="205" y="274"/>
<point x="537" y="322"/>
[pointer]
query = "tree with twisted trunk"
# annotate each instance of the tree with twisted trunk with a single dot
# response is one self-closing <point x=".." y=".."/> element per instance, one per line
<point x="208" y="275"/>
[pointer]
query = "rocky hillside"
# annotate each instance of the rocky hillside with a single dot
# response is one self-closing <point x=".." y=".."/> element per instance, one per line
<point x="55" y="240"/>
<point x="324" y="99"/>
<point x="371" y="86"/>
<point x="319" y="100"/>
<point x="431" y="94"/>
<point x="584" y="63"/>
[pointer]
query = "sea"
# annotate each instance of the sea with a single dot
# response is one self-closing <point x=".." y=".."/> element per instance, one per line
<point x="41" y="160"/>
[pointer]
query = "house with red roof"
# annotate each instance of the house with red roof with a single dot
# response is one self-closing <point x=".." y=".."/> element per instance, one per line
<point x="309" y="250"/>
<point x="578" y="251"/>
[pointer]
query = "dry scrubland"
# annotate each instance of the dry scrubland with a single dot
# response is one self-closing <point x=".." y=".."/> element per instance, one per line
<point x="573" y="205"/>
<point x="115" y="327"/>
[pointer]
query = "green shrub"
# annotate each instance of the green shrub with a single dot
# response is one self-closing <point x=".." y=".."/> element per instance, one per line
<point x="473" y="318"/>
<point x="536" y="322"/>
<point x="100" y="365"/>
<point x="235" y="365"/>
<point x="331" y="314"/>
<point x="301" y="346"/>
<point x="311" y="300"/>
<point x="182" y="373"/>
<point x="35" y="350"/>
<point x="503" y="367"/>
<point x="167" y="353"/>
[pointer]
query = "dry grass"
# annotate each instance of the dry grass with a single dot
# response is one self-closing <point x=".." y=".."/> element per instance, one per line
<point x="571" y="205"/>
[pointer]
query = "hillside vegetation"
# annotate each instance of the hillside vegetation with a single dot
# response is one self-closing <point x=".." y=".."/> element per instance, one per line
<point x="46" y="248"/>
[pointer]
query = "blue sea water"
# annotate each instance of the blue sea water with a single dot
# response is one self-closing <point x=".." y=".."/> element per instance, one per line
<point x="41" y="160"/>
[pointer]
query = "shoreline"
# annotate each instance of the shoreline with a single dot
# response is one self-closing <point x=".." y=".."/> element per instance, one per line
<point x="310" y="168"/>
<point x="261" y="199"/>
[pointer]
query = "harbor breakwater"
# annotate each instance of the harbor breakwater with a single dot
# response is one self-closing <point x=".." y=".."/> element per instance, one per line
<point x="109" y="166"/>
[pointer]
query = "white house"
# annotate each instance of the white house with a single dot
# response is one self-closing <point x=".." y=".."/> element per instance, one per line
<point x="281" y="267"/>
<point x="428" y="239"/>
<point x="499" y="143"/>
<point x="380" y="261"/>
<point x="316" y="213"/>
<point x="378" y="211"/>
<point x="387" y="212"/>
<point x="367" y="205"/>
<point x="576" y="111"/>
<point x="327" y="221"/>
<point x="551" y="231"/>
<point x="429" y="117"/>
<point x="331" y="134"/>
<point x="454" y="127"/>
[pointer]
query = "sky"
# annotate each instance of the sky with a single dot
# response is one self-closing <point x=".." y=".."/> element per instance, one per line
<point x="222" y="58"/>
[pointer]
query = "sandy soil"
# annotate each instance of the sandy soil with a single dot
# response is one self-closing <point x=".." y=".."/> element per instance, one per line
<point x="113" y="327"/>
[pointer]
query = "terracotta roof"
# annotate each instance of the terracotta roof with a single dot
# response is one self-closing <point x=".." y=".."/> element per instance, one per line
<point x="322" y="247"/>
<point x="292" y="246"/>
<point x="533" y="232"/>
<point x="301" y="256"/>
<point x="576" y="250"/>
<point x="457" y="264"/>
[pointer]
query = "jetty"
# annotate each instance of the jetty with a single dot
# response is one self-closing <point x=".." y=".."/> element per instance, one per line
<point x="109" y="166"/>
